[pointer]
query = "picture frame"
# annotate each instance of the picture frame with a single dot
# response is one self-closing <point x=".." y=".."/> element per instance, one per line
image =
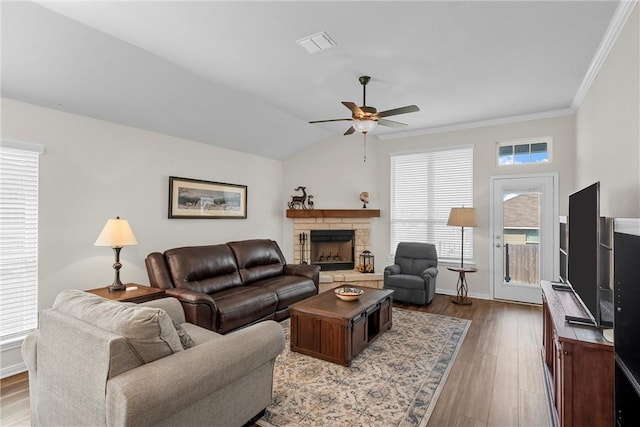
<point x="195" y="198"/>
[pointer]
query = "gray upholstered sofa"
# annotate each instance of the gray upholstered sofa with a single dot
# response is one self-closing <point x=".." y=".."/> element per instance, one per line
<point x="103" y="363"/>
<point x="413" y="275"/>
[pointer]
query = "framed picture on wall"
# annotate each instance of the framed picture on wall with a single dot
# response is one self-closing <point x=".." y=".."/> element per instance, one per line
<point x="194" y="198"/>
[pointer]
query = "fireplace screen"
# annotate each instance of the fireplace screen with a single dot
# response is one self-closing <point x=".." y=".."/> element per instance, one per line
<point x="332" y="249"/>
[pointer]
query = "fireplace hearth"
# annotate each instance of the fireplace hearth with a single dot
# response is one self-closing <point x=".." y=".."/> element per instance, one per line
<point x="332" y="249"/>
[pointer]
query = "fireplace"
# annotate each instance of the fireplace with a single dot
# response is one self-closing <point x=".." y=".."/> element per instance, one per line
<point x="332" y="249"/>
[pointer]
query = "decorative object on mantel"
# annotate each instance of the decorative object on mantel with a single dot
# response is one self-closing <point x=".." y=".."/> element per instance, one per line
<point x="194" y="198"/>
<point x="462" y="217"/>
<point x="364" y="198"/>
<point x="116" y="233"/>
<point x="299" y="202"/>
<point x="365" y="118"/>
<point x="310" y="201"/>
<point x="366" y="262"/>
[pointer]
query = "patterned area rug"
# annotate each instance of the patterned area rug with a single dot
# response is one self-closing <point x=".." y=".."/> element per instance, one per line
<point x="394" y="382"/>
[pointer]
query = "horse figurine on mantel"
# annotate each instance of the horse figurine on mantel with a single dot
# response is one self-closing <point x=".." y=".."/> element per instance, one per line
<point x="299" y="202"/>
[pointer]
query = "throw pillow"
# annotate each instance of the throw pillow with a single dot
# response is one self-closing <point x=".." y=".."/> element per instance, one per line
<point x="185" y="338"/>
<point x="148" y="330"/>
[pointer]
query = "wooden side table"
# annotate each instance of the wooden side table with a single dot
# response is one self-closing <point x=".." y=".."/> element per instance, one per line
<point x="461" y="286"/>
<point x="134" y="293"/>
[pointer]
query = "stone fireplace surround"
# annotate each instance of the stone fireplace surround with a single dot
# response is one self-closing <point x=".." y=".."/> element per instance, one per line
<point x="357" y="220"/>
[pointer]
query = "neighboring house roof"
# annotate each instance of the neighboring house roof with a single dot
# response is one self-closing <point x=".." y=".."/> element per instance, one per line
<point x="522" y="211"/>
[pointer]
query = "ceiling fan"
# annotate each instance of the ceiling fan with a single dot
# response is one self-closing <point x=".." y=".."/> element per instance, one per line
<point x="365" y="118"/>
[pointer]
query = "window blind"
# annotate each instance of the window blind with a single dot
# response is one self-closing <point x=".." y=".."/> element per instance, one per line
<point x="424" y="188"/>
<point x="18" y="240"/>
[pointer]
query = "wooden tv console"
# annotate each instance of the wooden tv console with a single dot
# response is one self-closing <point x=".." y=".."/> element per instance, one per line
<point x="578" y="364"/>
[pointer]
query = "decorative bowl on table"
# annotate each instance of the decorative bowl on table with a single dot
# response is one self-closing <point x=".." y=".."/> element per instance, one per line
<point x="347" y="293"/>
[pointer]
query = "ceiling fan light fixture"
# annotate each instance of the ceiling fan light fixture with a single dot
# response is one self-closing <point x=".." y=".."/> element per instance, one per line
<point x="364" y="126"/>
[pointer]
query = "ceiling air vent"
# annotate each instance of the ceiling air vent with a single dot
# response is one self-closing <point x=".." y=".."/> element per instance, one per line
<point x="316" y="42"/>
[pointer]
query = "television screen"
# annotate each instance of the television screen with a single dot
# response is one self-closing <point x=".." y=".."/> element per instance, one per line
<point x="584" y="245"/>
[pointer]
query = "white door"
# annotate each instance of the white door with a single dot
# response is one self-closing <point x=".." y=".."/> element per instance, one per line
<point x="523" y="235"/>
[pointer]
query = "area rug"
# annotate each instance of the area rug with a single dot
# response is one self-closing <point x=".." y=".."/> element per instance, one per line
<point x="394" y="382"/>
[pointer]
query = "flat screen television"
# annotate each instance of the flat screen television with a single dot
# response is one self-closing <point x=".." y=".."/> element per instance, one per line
<point x="564" y="250"/>
<point x="584" y="252"/>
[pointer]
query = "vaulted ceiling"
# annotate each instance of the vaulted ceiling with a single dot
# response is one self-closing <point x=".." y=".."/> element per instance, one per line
<point x="231" y="73"/>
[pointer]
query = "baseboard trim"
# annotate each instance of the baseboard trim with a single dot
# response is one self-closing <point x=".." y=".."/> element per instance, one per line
<point x="12" y="370"/>
<point x="470" y="294"/>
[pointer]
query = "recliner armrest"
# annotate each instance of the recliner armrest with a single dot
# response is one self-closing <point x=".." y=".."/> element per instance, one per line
<point x="158" y="271"/>
<point x="199" y="308"/>
<point x="391" y="270"/>
<point x="431" y="272"/>
<point x="306" y="270"/>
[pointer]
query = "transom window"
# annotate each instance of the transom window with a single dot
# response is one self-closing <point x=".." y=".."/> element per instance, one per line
<point x="524" y="151"/>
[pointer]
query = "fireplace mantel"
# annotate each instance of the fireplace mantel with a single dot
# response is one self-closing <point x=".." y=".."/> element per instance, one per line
<point x="333" y="213"/>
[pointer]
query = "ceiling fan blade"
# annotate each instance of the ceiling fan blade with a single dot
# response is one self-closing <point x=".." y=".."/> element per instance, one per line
<point x="331" y="120"/>
<point x="350" y="131"/>
<point x="401" y="110"/>
<point x="391" y="123"/>
<point x="353" y="107"/>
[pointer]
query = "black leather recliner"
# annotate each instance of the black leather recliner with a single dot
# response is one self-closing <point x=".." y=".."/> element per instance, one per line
<point x="413" y="276"/>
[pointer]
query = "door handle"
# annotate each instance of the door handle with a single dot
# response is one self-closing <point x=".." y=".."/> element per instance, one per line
<point x="498" y="245"/>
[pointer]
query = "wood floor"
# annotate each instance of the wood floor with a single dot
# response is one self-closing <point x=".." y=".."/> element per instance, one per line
<point x="495" y="381"/>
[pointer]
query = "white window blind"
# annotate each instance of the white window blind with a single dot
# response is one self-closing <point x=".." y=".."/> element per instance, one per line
<point x="18" y="240"/>
<point x="424" y="188"/>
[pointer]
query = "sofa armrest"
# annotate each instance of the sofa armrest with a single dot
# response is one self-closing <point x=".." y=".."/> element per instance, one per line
<point x="391" y="270"/>
<point x="158" y="271"/>
<point x="175" y="382"/>
<point x="171" y="305"/>
<point x="306" y="270"/>
<point x="199" y="308"/>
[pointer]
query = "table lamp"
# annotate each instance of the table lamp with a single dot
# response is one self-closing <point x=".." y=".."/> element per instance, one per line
<point x="117" y="234"/>
<point x="462" y="217"/>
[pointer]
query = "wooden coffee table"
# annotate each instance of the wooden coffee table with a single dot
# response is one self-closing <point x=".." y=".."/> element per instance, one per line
<point x="328" y="328"/>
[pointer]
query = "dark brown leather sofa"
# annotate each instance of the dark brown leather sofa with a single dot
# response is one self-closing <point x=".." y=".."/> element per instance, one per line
<point x="228" y="286"/>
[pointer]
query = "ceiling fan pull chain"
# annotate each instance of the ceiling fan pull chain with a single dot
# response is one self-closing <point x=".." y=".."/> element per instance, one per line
<point x="364" y="148"/>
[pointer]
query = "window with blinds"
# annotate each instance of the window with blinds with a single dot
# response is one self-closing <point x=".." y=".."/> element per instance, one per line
<point x="424" y="188"/>
<point x="18" y="241"/>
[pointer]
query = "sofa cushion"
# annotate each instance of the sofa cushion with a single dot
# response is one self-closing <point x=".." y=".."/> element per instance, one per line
<point x="149" y="331"/>
<point x="206" y="269"/>
<point x="289" y="289"/>
<point x="243" y="306"/>
<point x="257" y="259"/>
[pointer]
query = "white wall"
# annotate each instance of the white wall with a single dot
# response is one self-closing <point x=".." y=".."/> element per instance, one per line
<point x="93" y="170"/>
<point x="608" y="127"/>
<point x="335" y="174"/>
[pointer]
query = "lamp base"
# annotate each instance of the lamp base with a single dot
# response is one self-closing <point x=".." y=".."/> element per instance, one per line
<point x="117" y="287"/>
<point x="117" y="284"/>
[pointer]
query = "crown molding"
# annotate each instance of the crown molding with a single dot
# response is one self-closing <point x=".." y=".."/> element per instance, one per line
<point x="620" y="16"/>
<point x="479" y="124"/>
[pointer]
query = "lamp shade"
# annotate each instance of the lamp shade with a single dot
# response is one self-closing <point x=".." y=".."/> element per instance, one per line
<point x="116" y="233"/>
<point x="364" y="126"/>
<point x="463" y="217"/>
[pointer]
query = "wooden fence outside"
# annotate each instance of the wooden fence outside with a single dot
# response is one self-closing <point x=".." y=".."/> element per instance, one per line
<point x="524" y="263"/>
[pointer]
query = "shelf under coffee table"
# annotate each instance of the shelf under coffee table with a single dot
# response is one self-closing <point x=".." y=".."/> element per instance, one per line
<point x="328" y="328"/>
